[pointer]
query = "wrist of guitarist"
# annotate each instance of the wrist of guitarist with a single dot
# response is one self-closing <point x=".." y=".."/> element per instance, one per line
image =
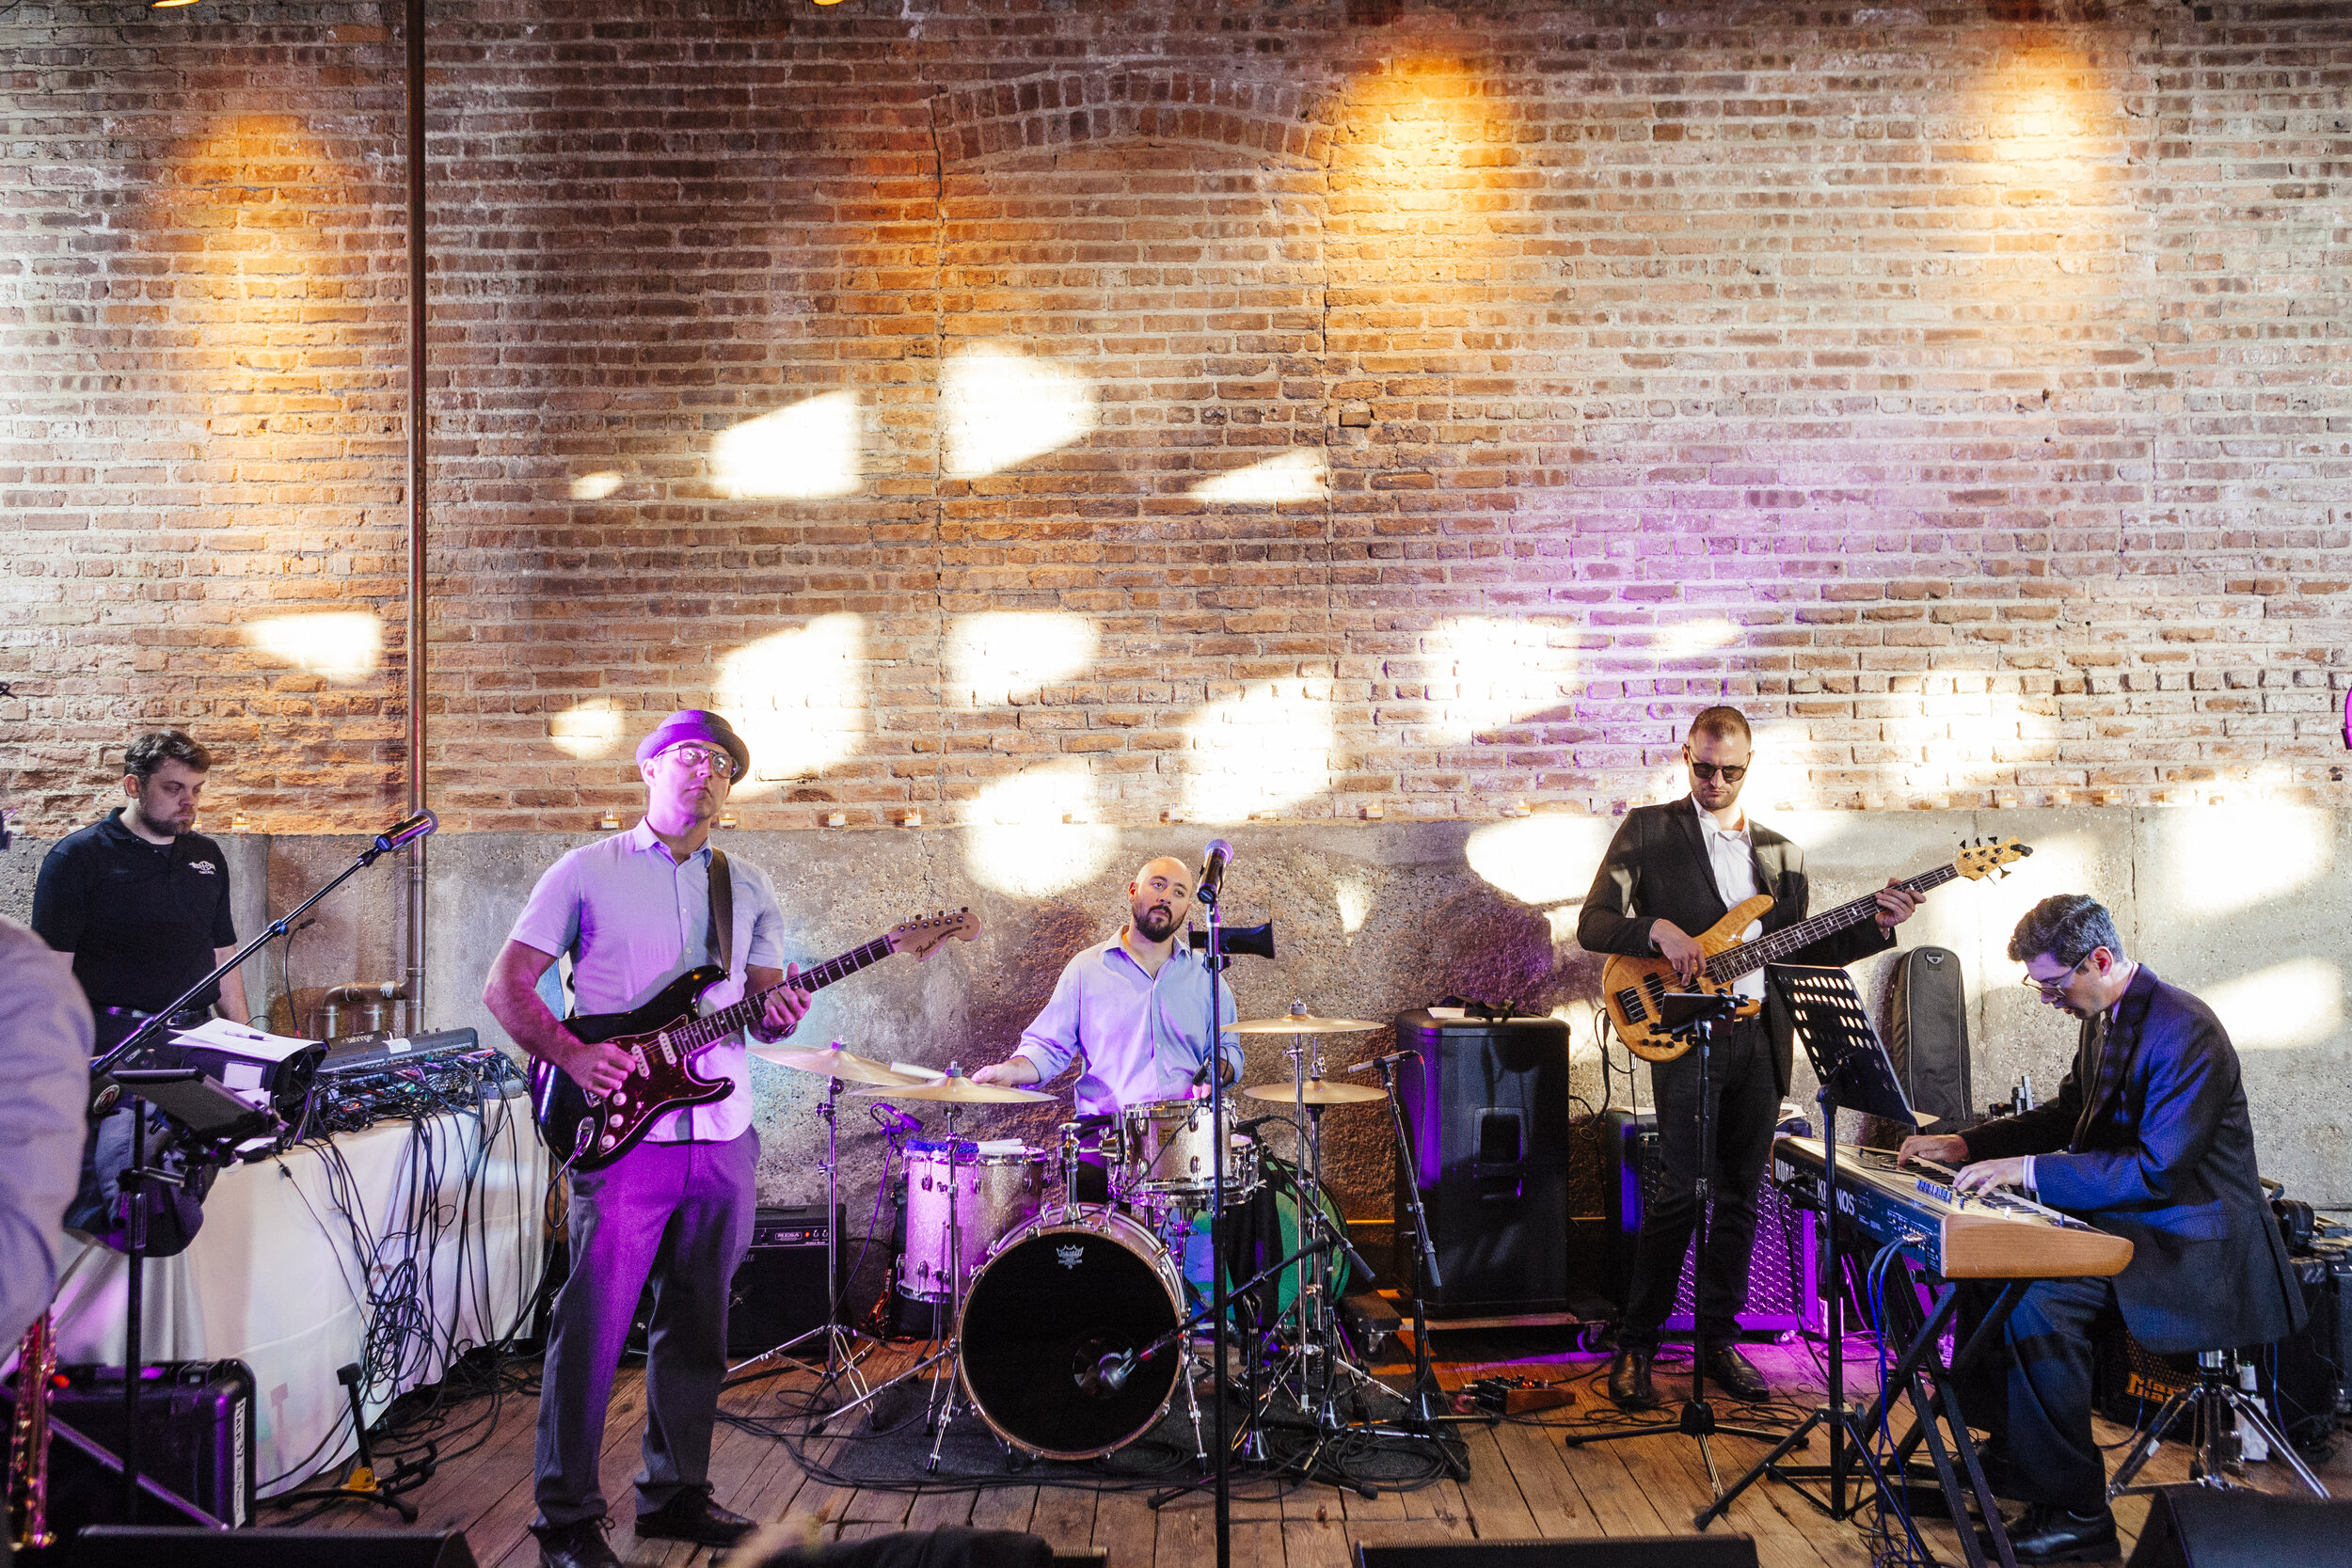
<point x="512" y="994"/>
<point x="782" y="1005"/>
<point x="1678" y="949"/>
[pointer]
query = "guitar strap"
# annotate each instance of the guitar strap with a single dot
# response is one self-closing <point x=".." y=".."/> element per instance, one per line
<point x="722" y="910"/>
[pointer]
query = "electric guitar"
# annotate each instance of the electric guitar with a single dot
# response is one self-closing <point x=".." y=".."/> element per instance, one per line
<point x="588" y="1131"/>
<point x="1631" y="988"/>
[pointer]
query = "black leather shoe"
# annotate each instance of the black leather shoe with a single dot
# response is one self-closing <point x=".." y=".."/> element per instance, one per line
<point x="2048" y="1533"/>
<point x="575" y="1545"/>
<point x="1630" y="1382"/>
<point x="1735" y="1374"/>
<point x="692" y="1516"/>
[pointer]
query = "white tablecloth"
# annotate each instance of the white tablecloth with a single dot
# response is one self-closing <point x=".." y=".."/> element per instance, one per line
<point x="273" y="1278"/>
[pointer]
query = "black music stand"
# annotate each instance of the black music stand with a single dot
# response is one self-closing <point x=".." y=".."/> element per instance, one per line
<point x="1820" y="1008"/>
<point x="1693" y="1015"/>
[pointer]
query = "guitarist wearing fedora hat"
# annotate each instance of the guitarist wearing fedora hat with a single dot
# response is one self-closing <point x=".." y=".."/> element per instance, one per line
<point x="1674" y="871"/>
<point x="636" y="910"/>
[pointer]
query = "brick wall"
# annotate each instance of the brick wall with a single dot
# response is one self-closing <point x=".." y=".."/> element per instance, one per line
<point x="1960" y="388"/>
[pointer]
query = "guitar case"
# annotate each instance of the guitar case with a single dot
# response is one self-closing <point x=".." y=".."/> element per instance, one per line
<point x="1927" y="1037"/>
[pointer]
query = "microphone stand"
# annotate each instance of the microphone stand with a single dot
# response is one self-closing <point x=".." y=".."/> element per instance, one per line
<point x="152" y="1026"/>
<point x="1220" y="1378"/>
<point x="1425" y="1422"/>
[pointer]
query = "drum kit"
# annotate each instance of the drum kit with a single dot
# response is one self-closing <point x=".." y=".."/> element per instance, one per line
<point x="1069" y="1326"/>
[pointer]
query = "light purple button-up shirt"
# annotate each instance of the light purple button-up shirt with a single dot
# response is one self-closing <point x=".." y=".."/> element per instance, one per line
<point x="634" y="920"/>
<point x="1144" y="1036"/>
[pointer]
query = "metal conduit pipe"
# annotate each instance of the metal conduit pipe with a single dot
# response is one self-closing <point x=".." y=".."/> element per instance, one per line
<point x="413" y="988"/>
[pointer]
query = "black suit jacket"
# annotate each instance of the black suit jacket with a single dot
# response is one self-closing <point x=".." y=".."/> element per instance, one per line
<point x="1657" y="869"/>
<point x="2150" y="1138"/>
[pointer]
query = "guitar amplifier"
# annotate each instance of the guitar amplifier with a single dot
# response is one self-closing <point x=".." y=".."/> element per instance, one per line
<point x="2302" y="1377"/>
<point x="1784" y="1270"/>
<point x="196" y="1436"/>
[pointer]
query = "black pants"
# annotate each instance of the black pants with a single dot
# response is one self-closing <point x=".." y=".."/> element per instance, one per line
<point x="2032" y="1391"/>
<point x="1747" y="1109"/>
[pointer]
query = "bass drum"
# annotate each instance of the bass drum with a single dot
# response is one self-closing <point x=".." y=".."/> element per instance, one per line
<point x="1057" y="1296"/>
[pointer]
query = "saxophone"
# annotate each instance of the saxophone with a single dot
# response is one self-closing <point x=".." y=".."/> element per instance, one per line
<point x="28" y="1440"/>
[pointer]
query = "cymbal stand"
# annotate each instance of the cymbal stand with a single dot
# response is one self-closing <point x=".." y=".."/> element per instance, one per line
<point x="941" y="1406"/>
<point x="1312" y="1365"/>
<point x="840" y="1339"/>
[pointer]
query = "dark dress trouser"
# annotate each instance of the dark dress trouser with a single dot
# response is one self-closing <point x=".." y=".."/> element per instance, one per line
<point x="681" y="1213"/>
<point x="1746" y="1093"/>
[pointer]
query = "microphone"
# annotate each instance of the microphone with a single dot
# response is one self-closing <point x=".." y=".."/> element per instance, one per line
<point x="1107" y="1376"/>
<point x="1391" y="1058"/>
<point x="1217" y="857"/>
<point x="401" y="834"/>
<point x="892" y="1121"/>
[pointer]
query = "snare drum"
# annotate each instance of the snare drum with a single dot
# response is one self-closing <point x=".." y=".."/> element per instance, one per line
<point x="998" y="1187"/>
<point x="1062" y="1295"/>
<point x="1164" y="1152"/>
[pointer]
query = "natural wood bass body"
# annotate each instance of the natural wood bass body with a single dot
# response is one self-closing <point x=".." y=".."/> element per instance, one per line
<point x="1631" y="987"/>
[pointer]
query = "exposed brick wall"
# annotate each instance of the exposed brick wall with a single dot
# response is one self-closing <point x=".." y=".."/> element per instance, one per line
<point x="1960" y="388"/>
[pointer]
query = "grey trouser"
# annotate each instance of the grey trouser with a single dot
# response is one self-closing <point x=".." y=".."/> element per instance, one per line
<point x="682" y="1214"/>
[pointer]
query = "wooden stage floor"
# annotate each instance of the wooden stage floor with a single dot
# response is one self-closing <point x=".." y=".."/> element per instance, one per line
<point x="1524" y="1483"/>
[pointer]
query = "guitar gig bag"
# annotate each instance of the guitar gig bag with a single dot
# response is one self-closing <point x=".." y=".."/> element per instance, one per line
<point x="1928" y="1039"/>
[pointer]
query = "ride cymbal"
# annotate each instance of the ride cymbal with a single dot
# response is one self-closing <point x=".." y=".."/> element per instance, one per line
<point x="831" y="1061"/>
<point x="1302" y="1024"/>
<point x="1318" y="1091"/>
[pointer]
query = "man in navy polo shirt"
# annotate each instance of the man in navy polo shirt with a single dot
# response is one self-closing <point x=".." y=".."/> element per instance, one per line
<point x="141" y="899"/>
<point x="635" y="911"/>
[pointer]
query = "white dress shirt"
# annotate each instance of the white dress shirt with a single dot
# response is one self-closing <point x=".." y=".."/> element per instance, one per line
<point x="1731" y="854"/>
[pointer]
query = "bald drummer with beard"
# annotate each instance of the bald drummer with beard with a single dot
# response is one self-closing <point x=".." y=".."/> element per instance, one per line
<point x="1135" y="1006"/>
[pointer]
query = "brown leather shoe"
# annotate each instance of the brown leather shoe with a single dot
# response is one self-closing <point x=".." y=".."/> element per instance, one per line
<point x="1735" y="1374"/>
<point x="1630" y="1382"/>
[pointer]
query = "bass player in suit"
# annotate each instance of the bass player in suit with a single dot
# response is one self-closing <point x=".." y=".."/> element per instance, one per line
<point x="1674" y="871"/>
<point x="2148" y="1139"/>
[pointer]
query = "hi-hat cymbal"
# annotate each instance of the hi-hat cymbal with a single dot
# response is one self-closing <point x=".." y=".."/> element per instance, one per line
<point x="832" y="1062"/>
<point x="963" y="1091"/>
<point x="1302" y="1024"/>
<point x="1318" y="1091"/>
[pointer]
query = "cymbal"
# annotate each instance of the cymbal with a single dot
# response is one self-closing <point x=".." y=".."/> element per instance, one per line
<point x="960" y="1090"/>
<point x="1302" y="1024"/>
<point x="831" y="1061"/>
<point x="1319" y="1091"/>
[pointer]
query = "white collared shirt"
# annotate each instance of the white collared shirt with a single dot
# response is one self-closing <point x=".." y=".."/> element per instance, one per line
<point x="633" y="920"/>
<point x="1731" y="854"/>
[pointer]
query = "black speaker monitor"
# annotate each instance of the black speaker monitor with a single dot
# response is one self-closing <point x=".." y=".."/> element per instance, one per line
<point x="1625" y="1551"/>
<point x="138" y="1546"/>
<point x="2199" y="1526"/>
<point x="1487" y="1103"/>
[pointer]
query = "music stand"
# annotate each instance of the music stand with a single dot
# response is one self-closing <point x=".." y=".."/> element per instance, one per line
<point x="1822" y="1010"/>
<point x="1693" y="1015"/>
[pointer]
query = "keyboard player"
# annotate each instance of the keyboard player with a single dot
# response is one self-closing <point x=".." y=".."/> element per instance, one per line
<point x="2149" y="1138"/>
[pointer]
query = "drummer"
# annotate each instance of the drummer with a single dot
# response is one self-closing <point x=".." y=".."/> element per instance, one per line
<point x="1136" y="1007"/>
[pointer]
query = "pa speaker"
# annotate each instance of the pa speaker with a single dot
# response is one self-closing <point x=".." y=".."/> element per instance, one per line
<point x="2197" y="1526"/>
<point x="1623" y="1551"/>
<point x="1487" y="1103"/>
<point x="134" y="1546"/>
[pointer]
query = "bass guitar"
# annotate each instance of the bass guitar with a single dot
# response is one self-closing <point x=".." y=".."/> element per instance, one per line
<point x="588" y="1131"/>
<point x="1631" y="988"/>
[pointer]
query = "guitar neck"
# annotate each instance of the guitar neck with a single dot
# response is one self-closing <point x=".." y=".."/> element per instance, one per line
<point x="726" y="1020"/>
<point x="1774" y="946"/>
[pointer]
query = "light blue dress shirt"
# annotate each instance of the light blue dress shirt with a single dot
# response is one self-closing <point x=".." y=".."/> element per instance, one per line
<point x="1144" y="1036"/>
<point x="634" y="920"/>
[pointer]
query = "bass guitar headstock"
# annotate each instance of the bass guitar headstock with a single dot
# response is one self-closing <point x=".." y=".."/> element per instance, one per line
<point x="1986" y="857"/>
<point x="923" y="934"/>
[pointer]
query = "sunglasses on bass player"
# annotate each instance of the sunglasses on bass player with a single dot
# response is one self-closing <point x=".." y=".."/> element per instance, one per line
<point x="1732" y="772"/>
